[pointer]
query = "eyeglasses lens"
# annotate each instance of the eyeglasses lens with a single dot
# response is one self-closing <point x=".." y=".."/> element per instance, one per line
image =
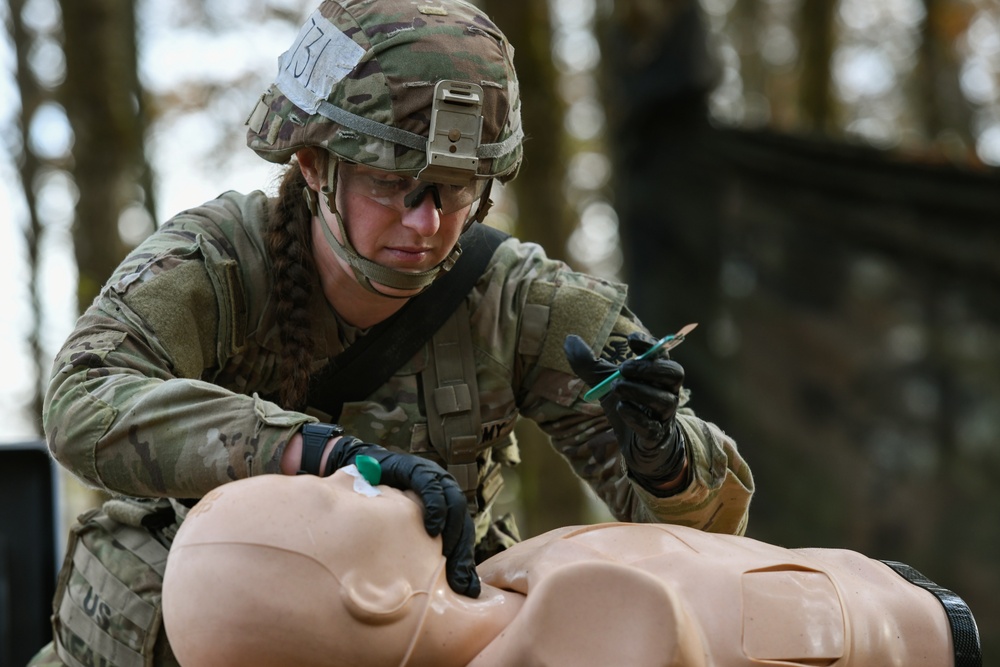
<point x="401" y="192"/>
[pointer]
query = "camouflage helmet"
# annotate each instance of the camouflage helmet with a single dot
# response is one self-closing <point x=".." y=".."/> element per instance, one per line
<point x="362" y="79"/>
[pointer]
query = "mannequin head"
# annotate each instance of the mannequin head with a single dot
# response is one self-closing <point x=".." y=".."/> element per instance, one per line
<point x="305" y="570"/>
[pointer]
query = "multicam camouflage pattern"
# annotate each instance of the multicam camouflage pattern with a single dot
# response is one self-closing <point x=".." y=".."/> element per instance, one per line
<point x="163" y="389"/>
<point x="155" y="393"/>
<point x="402" y="49"/>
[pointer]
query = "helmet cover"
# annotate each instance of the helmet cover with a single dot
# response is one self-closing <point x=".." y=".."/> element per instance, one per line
<point x="359" y="81"/>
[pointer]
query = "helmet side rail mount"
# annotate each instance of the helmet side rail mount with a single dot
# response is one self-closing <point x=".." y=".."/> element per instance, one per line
<point x="455" y="133"/>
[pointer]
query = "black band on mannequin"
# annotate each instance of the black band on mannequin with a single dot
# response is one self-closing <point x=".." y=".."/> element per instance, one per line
<point x="964" y="632"/>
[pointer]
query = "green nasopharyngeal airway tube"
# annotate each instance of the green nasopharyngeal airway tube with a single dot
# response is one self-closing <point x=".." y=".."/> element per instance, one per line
<point x="369" y="469"/>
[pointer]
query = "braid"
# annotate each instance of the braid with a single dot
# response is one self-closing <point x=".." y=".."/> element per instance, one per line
<point x="288" y="240"/>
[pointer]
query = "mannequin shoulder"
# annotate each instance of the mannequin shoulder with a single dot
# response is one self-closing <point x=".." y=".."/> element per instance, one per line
<point x="598" y="613"/>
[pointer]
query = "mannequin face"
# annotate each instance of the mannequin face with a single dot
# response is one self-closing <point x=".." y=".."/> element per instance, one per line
<point x="335" y="572"/>
<point x="305" y="552"/>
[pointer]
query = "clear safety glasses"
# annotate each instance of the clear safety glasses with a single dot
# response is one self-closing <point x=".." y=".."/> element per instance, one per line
<point x="400" y="192"/>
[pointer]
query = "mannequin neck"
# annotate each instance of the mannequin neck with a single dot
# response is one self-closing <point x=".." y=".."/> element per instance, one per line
<point x="456" y="628"/>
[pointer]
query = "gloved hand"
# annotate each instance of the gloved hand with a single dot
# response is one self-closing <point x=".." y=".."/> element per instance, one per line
<point x="641" y="406"/>
<point x="445" y="509"/>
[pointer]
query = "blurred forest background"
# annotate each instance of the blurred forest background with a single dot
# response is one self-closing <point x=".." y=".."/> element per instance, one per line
<point x="815" y="182"/>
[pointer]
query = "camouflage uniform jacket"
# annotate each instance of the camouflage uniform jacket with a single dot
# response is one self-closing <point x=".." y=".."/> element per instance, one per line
<point x="162" y="389"/>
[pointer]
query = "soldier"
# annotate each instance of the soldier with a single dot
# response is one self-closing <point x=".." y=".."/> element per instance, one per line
<point x="363" y="311"/>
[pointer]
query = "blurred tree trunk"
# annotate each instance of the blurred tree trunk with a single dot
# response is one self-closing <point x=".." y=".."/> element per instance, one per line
<point x="745" y="17"/>
<point x="656" y="77"/>
<point x="816" y="40"/>
<point x="29" y="165"/>
<point x="946" y="113"/>
<point x="102" y="98"/>
<point x="551" y="495"/>
<point x="543" y="215"/>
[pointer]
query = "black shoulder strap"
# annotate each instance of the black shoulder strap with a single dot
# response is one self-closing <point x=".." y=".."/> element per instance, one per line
<point x="358" y="371"/>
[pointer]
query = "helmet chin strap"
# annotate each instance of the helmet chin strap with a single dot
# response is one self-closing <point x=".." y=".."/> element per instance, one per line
<point x="366" y="271"/>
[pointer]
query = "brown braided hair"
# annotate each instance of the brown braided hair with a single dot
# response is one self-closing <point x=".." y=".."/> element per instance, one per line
<point x="289" y="240"/>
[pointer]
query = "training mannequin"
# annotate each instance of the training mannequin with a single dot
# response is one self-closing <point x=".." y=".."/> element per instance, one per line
<point x="304" y="570"/>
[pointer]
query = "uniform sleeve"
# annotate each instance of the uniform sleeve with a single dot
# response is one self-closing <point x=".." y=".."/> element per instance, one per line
<point x="126" y="409"/>
<point x="718" y="497"/>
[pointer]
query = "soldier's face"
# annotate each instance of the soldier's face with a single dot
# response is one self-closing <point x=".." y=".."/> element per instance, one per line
<point x="408" y="239"/>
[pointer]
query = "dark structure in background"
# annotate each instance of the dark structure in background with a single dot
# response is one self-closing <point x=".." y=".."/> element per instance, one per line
<point x="850" y="323"/>
<point x="27" y="550"/>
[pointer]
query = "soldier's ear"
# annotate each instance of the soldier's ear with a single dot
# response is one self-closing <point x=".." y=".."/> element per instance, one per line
<point x="313" y="164"/>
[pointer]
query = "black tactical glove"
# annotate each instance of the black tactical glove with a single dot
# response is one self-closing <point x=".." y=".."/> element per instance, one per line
<point x="641" y="407"/>
<point x="445" y="509"/>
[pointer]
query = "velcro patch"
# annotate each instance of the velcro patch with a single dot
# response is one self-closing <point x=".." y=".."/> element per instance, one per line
<point x="572" y="310"/>
<point x="175" y="328"/>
